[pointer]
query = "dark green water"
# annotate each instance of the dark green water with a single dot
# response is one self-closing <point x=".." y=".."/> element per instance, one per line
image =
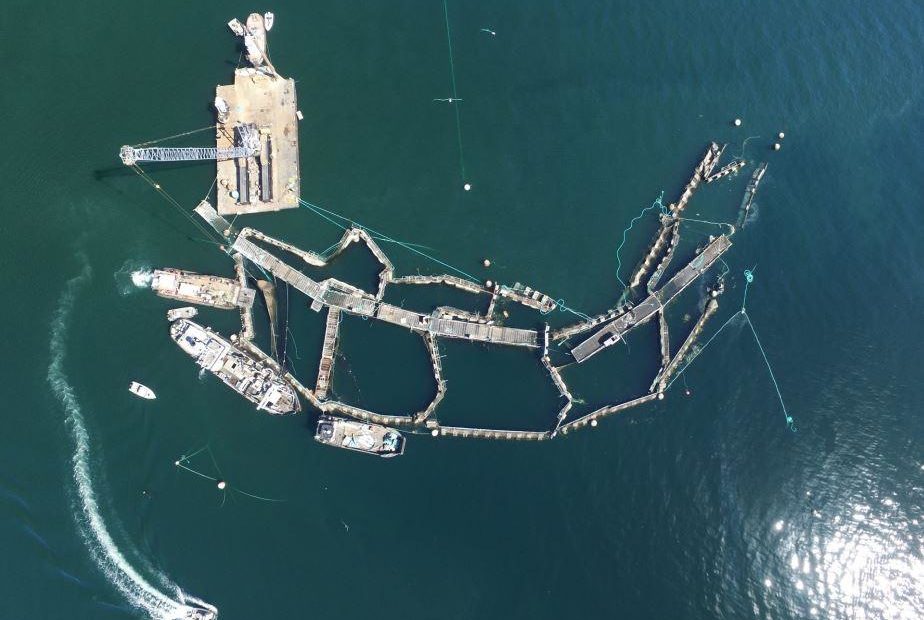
<point x="575" y="116"/>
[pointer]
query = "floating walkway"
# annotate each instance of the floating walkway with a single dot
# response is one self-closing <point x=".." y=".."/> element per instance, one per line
<point x="247" y="329"/>
<point x="328" y="353"/>
<point x="437" y="361"/>
<point x="309" y="257"/>
<point x="666" y="260"/>
<point x="487" y="433"/>
<point x="750" y="192"/>
<point x="618" y="328"/>
<point x="208" y="213"/>
<point x="665" y="376"/>
<point x="592" y="417"/>
<point x="454" y="281"/>
<point x="710" y="159"/>
<point x="731" y="168"/>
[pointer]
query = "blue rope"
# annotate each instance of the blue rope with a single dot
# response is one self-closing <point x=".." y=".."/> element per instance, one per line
<point x="561" y="306"/>
<point x="748" y="279"/>
<point x="410" y="247"/>
<point x="789" y="421"/>
<point x="663" y="211"/>
<point x="455" y="94"/>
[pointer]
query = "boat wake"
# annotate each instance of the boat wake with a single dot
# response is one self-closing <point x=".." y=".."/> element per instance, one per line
<point x="131" y="276"/>
<point x="139" y="592"/>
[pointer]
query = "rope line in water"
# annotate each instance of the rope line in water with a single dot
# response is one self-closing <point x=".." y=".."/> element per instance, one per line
<point x="329" y="215"/>
<point x="663" y="211"/>
<point x="455" y="94"/>
<point x="748" y="279"/>
<point x="740" y="155"/>
<point x="731" y="228"/>
<point x="179" y="135"/>
<point x="183" y="461"/>
<point x="173" y="201"/>
<point x="325" y="213"/>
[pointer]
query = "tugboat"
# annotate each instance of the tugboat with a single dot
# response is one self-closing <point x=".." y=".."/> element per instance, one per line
<point x="359" y="436"/>
<point x="142" y="391"/>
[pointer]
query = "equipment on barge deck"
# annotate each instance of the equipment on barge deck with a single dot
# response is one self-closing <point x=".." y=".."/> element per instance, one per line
<point x="359" y="436"/>
<point x="141" y="391"/>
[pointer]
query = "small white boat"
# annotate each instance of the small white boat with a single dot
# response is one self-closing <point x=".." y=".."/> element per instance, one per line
<point x="223" y="110"/>
<point x="141" y="391"/>
<point x="268" y="19"/>
<point x="186" y="312"/>
<point x="236" y="27"/>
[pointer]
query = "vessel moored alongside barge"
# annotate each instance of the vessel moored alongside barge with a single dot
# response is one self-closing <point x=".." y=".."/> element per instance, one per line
<point x="249" y="377"/>
<point x="359" y="436"/>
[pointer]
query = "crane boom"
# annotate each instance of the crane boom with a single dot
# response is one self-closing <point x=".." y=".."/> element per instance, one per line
<point x="131" y="155"/>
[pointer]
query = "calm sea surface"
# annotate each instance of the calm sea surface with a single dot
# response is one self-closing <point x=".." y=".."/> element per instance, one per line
<point x="576" y="115"/>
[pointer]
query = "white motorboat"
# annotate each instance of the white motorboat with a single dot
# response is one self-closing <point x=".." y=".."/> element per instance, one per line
<point x="236" y="27"/>
<point x="141" y="391"/>
<point x="186" y="312"/>
<point x="268" y="19"/>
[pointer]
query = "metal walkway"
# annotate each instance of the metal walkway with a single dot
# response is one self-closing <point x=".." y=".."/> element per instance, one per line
<point x="328" y="351"/>
<point x="616" y="330"/>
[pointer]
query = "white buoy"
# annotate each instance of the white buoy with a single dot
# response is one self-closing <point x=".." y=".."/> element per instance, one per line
<point x="489" y="283"/>
<point x="222" y="484"/>
<point x="506" y="314"/>
<point x="467" y="187"/>
<point x="782" y="135"/>
<point x="487" y="262"/>
<point x="660" y="395"/>
<point x="177" y="463"/>
<point x="593" y="422"/>
<point x="435" y="432"/>
<point x="737" y="122"/>
<point x="776" y="146"/>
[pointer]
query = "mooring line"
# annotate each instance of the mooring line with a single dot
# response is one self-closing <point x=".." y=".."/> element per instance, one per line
<point x="455" y="94"/>
<point x="748" y="279"/>
<point x="656" y="203"/>
<point x="322" y="211"/>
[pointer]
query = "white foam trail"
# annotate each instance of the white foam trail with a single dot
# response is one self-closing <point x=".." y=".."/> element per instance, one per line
<point x="136" y="589"/>
<point x="141" y="279"/>
<point x="133" y="275"/>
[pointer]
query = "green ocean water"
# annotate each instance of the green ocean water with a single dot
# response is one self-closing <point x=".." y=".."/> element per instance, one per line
<point x="575" y="116"/>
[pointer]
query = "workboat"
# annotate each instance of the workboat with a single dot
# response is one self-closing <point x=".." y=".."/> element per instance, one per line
<point x="141" y="391"/>
<point x="256" y="380"/>
<point x="359" y="436"/>
<point x="222" y="109"/>
<point x="236" y="27"/>
<point x="186" y="312"/>
<point x="200" y="613"/>
<point x="268" y="19"/>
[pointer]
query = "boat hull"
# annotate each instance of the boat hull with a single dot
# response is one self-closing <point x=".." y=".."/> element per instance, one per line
<point x="250" y="377"/>
<point x="358" y="436"/>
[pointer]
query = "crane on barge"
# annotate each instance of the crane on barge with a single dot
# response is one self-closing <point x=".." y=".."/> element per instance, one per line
<point x="247" y="141"/>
